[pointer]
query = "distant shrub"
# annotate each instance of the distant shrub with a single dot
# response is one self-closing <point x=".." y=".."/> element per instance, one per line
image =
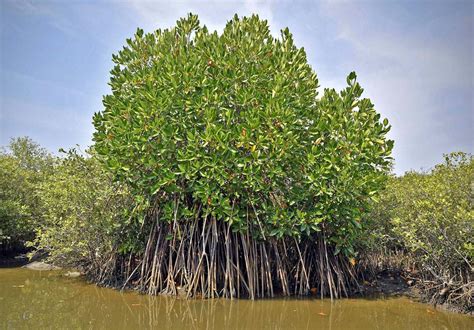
<point x="431" y="217"/>
<point x="83" y="212"/>
<point x="23" y="165"/>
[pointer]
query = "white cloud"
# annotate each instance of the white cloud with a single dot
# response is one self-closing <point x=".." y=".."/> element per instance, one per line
<point x="406" y="76"/>
<point x="213" y="14"/>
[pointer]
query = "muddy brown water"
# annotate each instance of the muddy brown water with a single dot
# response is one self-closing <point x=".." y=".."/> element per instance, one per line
<point x="46" y="299"/>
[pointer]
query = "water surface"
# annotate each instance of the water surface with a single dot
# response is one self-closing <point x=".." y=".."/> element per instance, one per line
<point x="37" y="300"/>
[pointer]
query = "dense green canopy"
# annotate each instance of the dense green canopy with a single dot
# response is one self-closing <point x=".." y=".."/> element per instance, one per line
<point x="231" y="125"/>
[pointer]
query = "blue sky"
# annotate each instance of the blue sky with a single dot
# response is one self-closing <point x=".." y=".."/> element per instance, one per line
<point x="414" y="59"/>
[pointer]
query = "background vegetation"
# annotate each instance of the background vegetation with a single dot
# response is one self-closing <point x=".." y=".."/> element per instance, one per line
<point x="427" y="220"/>
<point x="84" y="212"/>
<point x="23" y="166"/>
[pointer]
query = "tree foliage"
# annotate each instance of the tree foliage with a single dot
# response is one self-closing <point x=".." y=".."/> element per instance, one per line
<point x="231" y="124"/>
<point x="430" y="216"/>
<point x="84" y="212"/>
<point x="66" y="205"/>
<point x="23" y="165"/>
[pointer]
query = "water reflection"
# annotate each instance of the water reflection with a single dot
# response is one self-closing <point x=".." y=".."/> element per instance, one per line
<point x="30" y="299"/>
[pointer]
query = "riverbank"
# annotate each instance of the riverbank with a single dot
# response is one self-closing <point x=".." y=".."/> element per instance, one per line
<point x="392" y="283"/>
<point x="10" y="261"/>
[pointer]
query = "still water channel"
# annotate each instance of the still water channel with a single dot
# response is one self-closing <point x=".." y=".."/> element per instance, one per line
<point x="39" y="300"/>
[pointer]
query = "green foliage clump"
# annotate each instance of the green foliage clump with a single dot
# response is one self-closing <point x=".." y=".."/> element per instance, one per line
<point x="429" y="217"/>
<point x="230" y="125"/>
<point x="65" y="206"/>
<point x="23" y="165"/>
<point x="432" y="213"/>
<point x="83" y="212"/>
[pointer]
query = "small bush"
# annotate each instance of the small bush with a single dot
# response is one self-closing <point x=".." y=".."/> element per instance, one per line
<point x="430" y="216"/>
<point x="23" y="165"/>
<point x="83" y="212"/>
